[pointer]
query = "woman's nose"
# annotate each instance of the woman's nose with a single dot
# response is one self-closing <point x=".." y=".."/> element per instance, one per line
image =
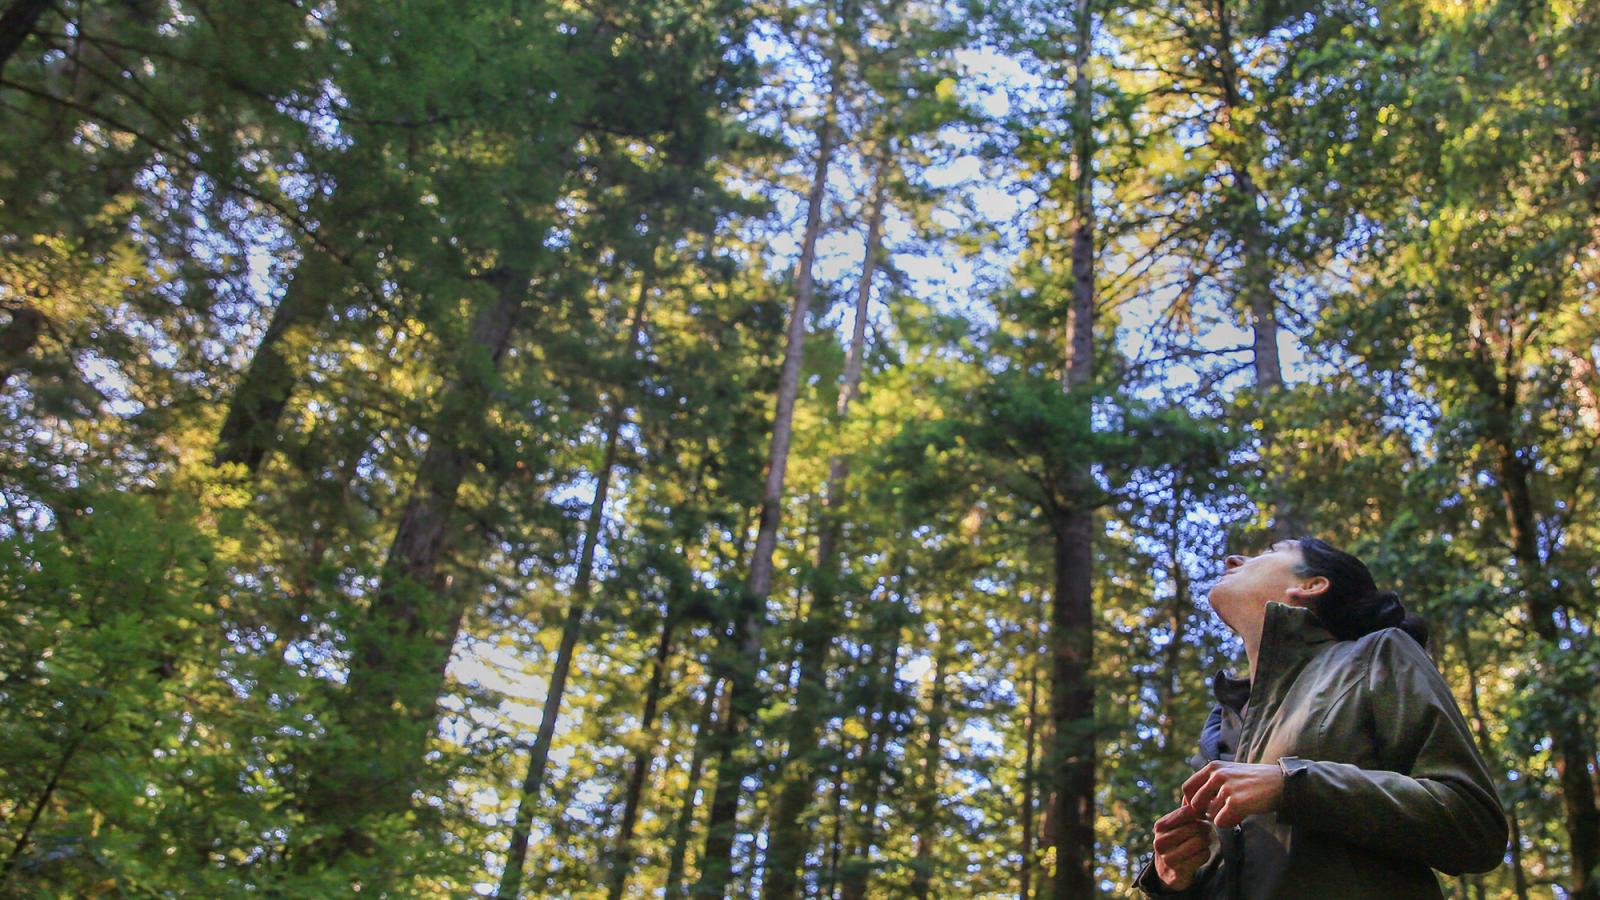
<point x="1232" y="561"/>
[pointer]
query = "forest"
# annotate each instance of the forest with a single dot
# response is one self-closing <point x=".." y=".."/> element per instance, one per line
<point x="764" y="448"/>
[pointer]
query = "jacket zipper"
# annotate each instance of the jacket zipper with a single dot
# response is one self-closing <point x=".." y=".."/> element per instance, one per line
<point x="1236" y="864"/>
<point x="1236" y="876"/>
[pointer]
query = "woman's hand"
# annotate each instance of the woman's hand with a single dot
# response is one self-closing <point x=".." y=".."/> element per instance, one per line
<point x="1183" y="844"/>
<point x="1227" y="792"/>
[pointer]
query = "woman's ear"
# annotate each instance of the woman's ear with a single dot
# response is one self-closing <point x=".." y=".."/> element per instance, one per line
<point x="1308" y="589"/>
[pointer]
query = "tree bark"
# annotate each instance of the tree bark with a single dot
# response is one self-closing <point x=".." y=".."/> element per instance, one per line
<point x="1256" y="271"/>
<point x="786" y="852"/>
<point x="16" y="23"/>
<point x="743" y="670"/>
<point x="400" y="648"/>
<point x="251" y="425"/>
<point x="1070" y="764"/>
<point x="684" y="826"/>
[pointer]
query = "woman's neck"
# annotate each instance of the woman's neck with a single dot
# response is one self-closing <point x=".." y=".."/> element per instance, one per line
<point x="1249" y="630"/>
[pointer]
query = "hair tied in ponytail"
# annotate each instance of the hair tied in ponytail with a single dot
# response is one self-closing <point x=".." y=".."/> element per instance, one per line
<point x="1388" y="611"/>
<point x="1352" y="605"/>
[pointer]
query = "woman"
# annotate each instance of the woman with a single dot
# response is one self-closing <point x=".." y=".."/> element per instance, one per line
<point x="1342" y="768"/>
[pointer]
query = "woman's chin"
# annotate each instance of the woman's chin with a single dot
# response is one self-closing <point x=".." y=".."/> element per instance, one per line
<point x="1221" y="605"/>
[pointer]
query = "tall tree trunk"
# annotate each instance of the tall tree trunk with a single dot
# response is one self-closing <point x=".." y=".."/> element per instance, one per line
<point x="786" y="852"/>
<point x="571" y="629"/>
<point x="928" y="790"/>
<point x="1256" y="271"/>
<point x="1070" y="765"/>
<point x="1573" y="743"/>
<point x="1071" y="761"/>
<point x="400" y="648"/>
<point x="251" y="425"/>
<point x="622" y="860"/>
<point x="684" y="826"/>
<point x="742" y="671"/>
<point x="16" y="23"/>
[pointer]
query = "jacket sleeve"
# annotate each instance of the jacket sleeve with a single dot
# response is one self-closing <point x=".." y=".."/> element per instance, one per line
<point x="1440" y="809"/>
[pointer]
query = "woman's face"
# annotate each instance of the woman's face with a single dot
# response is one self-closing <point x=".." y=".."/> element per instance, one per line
<point x="1249" y="582"/>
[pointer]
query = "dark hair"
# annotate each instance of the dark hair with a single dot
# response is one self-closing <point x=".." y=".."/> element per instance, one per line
<point x="1352" y="605"/>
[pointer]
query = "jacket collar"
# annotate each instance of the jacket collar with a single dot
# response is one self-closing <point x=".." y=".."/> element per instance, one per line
<point x="1290" y="636"/>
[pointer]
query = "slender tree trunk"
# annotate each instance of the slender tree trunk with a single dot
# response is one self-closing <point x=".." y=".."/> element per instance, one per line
<point x="251" y="425"/>
<point x="839" y="851"/>
<point x="1071" y="759"/>
<point x="874" y="764"/>
<point x="830" y="878"/>
<point x="786" y="852"/>
<point x="400" y="649"/>
<point x="16" y="23"/>
<point x="39" y="806"/>
<point x="1044" y="774"/>
<point x="928" y="790"/>
<point x="622" y="858"/>
<point x="571" y="629"/>
<point x="1029" y="787"/>
<point x="1175" y="617"/>
<point x="684" y="826"/>
<point x="742" y="671"/>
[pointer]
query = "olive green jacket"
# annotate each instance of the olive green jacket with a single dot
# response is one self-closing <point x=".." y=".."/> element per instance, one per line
<point x="1382" y="783"/>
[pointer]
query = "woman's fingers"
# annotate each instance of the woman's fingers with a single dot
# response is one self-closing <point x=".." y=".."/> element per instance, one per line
<point x="1195" y="848"/>
<point x="1207" y="792"/>
<point x="1200" y="777"/>
<point x="1172" y="842"/>
<point x="1182" y="845"/>
<point x="1166" y="840"/>
<point x="1229" y="815"/>
<point x="1178" y="818"/>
